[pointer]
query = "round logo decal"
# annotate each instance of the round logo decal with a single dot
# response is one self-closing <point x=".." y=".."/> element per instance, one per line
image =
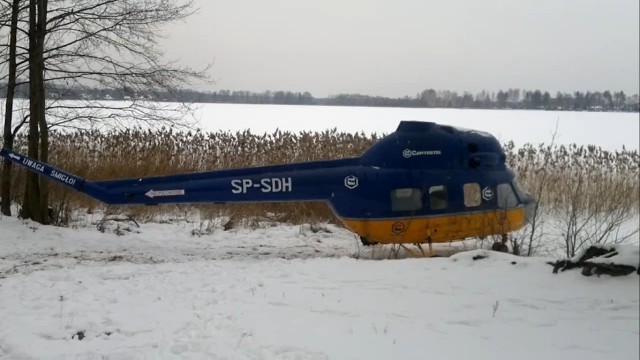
<point x="398" y="227"/>
<point x="487" y="194"/>
<point x="351" y="182"/>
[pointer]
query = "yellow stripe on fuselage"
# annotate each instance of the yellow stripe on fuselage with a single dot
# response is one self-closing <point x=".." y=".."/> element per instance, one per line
<point x="441" y="228"/>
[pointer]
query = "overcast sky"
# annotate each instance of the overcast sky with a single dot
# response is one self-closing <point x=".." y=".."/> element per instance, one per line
<point x="401" y="47"/>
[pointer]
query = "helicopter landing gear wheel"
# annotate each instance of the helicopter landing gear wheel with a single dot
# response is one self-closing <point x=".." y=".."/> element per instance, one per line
<point x="367" y="242"/>
<point x="501" y="246"/>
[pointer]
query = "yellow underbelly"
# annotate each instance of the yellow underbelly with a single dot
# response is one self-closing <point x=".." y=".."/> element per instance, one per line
<point x="441" y="228"/>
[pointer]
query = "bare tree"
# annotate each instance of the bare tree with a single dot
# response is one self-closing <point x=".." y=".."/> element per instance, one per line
<point x="109" y="44"/>
<point x="113" y="44"/>
<point x="5" y="185"/>
<point x="36" y="203"/>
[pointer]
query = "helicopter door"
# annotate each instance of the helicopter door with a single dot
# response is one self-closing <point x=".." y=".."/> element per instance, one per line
<point x="438" y="198"/>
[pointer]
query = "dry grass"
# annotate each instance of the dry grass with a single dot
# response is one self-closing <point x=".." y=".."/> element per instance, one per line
<point x="586" y="195"/>
<point x="596" y="179"/>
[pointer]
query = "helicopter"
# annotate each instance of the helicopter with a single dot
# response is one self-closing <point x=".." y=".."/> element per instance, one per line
<point x="424" y="183"/>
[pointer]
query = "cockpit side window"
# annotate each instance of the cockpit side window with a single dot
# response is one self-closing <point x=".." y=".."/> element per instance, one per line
<point x="438" y="197"/>
<point x="506" y="197"/>
<point x="472" y="195"/>
<point x="406" y="199"/>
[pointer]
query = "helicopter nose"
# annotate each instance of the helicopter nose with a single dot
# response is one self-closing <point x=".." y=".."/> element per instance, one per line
<point x="529" y="208"/>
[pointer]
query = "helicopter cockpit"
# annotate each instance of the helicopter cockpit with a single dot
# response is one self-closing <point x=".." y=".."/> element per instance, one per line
<point x="445" y="169"/>
<point x="430" y="146"/>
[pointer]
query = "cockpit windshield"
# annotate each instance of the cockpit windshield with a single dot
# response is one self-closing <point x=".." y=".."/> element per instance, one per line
<point x="519" y="192"/>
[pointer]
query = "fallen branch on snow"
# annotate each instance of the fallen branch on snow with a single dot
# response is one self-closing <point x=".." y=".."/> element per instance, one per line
<point x="614" y="260"/>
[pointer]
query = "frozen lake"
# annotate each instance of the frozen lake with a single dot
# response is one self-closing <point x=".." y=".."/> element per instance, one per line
<point x="608" y="130"/>
<point x="605" y="129"/>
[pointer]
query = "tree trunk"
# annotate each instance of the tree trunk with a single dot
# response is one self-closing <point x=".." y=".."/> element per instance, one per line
<point x="5" y="185"/>
<point x="42" y="121"/>
<point x="36" y="202"/>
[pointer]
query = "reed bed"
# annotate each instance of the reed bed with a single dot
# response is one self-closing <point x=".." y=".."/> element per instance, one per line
<point x="585" y="176"/>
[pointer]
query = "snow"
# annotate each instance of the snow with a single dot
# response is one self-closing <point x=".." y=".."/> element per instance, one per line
<point x="287" y="292"/>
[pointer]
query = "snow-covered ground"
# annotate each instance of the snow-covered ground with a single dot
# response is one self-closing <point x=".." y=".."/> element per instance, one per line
<point x="189" y="290"/>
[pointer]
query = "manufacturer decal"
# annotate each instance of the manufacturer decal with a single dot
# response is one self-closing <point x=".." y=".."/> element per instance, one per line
<point x="162" y="193"/>
<point x="351" y="182"/>
<point x="398" y="227"/>
<point x="266" y="185"/>
<point x="407" y="153"/>
<point x="487" y="194"/>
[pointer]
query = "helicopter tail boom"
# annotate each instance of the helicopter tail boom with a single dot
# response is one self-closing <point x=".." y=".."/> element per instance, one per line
<point x="73" y="181"/>
<point x="292" y="182"/>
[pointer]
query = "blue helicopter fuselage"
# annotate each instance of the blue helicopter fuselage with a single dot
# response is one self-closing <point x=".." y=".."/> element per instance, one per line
<point x="423" y="183"/>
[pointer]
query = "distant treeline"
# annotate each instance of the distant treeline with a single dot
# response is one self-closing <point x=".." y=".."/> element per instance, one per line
<point x="430" y="98"/>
